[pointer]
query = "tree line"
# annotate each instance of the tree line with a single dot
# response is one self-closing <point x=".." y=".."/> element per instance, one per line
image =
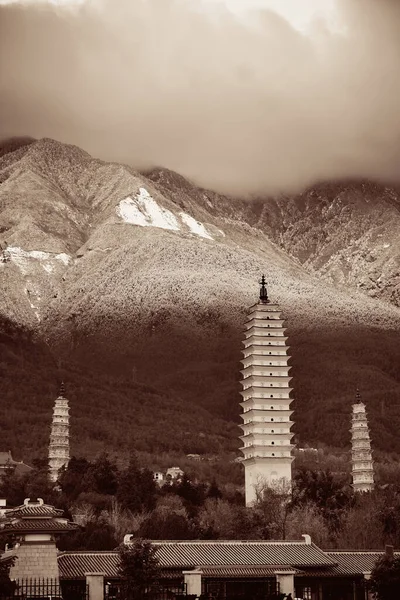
<point x="109" y="501"/>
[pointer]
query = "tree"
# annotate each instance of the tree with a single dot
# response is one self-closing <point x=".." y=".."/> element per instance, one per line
<point x="7" y="586"/>
<point x="192" y="494"/>
<point x="219" y="519"/>
<point x="328" y="492"/>
<point x="362" y="526"/>
<point x="168" y="521"/>
<point x="12" y="487"/>
<point x="71" y="479"/>
<point x="95" y="535"/>
<point x="136" y="488"/>
<point x="214" y="491"/>
<point x="138" y="568"/>
<point x="385" y="578"/>
<point x="269" y="514"/>
<point x="101" y="476"/>
<point x="307" y="519"/>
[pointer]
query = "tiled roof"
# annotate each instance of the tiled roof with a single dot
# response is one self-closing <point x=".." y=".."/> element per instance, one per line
<point x="353" y="562"/>
<point x="34" y="510"/>
<point x="75" y="564"/>
<point x="37" y="525"/>
<point x="204" y="552"/>
<point x="341" y="563"/>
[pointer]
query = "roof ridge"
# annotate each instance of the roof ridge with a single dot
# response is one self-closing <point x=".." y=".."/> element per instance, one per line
<point x="234" y="542"/>
<point x="68" y="552"/>
<point x="357" y="551"/>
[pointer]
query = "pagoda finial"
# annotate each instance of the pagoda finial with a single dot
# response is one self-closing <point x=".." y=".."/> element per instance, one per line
<point x="263" y="291"/>
<point x="62" y="389"/>
<point x="358" y="395"/>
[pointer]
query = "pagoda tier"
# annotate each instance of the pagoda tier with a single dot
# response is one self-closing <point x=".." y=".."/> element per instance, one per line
<point x="267" y="437"/>
<point x="59" y="437"/>
<point x="361" y="454"/>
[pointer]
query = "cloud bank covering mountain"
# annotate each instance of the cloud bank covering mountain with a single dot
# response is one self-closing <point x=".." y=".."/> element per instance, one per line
<point x="242" y="103"/>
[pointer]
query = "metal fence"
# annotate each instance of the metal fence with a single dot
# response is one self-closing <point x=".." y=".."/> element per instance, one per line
<point x="119" y="591"/>
<point x="241" y="589"/>
<point x="46" y="589"/>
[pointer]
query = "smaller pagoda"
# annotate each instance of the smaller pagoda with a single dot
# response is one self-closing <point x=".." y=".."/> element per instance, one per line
<point x="59" y="436"/>
<point x="361" y="454"/>
<point x="33" y="527"/>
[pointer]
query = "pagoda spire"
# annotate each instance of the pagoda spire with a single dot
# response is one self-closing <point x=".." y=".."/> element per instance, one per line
<point x="267" y="437"/>
<point x="263" y="291"/>
<point x="362" y="468"/>
<point x="59" y="435"/>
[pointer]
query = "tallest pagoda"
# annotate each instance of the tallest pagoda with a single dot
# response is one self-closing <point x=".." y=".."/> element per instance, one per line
<point x="267" y="438"/>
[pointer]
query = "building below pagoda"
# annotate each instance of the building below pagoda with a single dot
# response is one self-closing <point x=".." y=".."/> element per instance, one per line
<point x="59" y="454"/>
<point x="33" y="528"/>
<point x="362" y="468"/>
<point x="267" y="437"/>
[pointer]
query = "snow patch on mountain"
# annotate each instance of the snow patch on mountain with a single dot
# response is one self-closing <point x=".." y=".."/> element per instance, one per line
<point x="22" y="258"/>
<point x="34" y="299"/>
<point x="143" y="210"/>
<point x="195" y="226"/>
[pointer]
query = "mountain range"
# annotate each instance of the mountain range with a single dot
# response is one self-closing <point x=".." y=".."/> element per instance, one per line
<point x="133" y="288"/>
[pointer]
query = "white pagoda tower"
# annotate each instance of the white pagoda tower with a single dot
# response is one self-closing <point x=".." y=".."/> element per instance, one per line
<point x="361" y="455"/>
<point x="267" y="438"/>
<point x="59" y="436"/>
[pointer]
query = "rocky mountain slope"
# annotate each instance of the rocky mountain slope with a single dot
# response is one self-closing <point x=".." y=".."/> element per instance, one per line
<point x="347" y="233"/>
<point x="145" y="279"/>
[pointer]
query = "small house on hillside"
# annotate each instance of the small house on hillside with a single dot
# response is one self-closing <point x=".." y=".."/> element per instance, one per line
<point x="7" y="463"/>
<point x="174" y="474"/>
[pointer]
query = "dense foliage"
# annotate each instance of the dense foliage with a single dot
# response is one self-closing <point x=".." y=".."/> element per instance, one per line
<point x="385" y="578"/>
<point x="110" y="500"/>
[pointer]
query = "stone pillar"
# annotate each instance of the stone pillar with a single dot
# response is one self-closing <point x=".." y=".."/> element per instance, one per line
<point x="367" y="577"/>
<point x="95" y="581"/>
<point x="193" y="582"/>
<point x="286" y="581"/>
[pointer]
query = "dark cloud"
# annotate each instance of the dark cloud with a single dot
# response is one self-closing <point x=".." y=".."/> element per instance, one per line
<point x="239" y="106"/>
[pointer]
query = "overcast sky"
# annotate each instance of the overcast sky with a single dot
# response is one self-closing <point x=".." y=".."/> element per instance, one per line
<point x="244" y="101"/>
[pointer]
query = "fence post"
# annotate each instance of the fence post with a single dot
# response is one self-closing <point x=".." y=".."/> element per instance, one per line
<point x="193" y="582"/>
<point x="95" y="583"/>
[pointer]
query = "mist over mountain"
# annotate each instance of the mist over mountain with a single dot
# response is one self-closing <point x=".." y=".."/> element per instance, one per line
<point x="135" y="287"/>
<point x="242" y="103"/>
